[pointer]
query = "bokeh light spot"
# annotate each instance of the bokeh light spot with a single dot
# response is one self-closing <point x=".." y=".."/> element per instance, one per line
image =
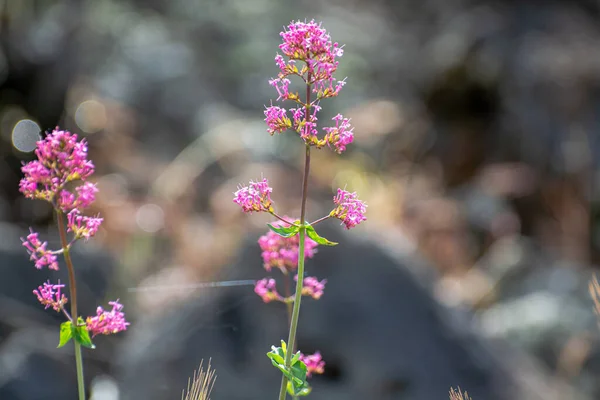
<point x="150" y="218"/>
<point x="90" y="116"/>
<point x="25" y="134"/>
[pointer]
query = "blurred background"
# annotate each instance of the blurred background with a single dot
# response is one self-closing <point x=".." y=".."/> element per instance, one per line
<point x="476" y="149"/>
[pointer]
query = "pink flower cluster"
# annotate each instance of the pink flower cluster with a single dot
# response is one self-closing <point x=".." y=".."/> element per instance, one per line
<point x="39" y="252"/>
<point x="107" y="322"/>
<point x="82" y="226"/>
<point x="350" y="210"/>
<point x="341" y="135"/>
<point x="282" y="253"/>
<point x="254" y="197"/>
<point x="50" y="296"/>
<point x="277" y="120"/>
<point x="310" y="44"/>
<point x="267" y="290"/>
<point x="61" y="159"/>
<point x="314" y="363"/>
<point x="313" y="287"/>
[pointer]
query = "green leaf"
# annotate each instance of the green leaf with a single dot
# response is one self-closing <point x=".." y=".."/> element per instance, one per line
<point x="285" y="232"/>
<point x="297" y="382"/>
<point x="310" y="231"/>
<point x="66" y="333"/>
<point x="296" y="374"/>
<point x="303" y="392"/>
<point x="277" y="356"/>
<point x="81" y="334"/>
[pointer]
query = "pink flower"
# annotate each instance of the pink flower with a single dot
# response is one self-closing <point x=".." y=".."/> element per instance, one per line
<point x="267" y="290"/>
<point x="107" y="322"/>
<point x="255" y="197"/>
<point x="314" y="363"/>
<point x="86" y="195"/>
<point x="310" y="43"/>
<point x="350" y="210"/>
<point x="312" y="287"/>
<point x="39" y="252"/>
<point x="282" y="253"/>
<point x="82" y="226"/>
<point x="50" y="296"/>
<point x="282" y="85"/>
<point x="277" y="120"/>
<point x="341" y="135"/>
<point x="61" y="159"/>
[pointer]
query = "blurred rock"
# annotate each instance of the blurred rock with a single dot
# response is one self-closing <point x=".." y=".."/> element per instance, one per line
<point x="380" y="332"/>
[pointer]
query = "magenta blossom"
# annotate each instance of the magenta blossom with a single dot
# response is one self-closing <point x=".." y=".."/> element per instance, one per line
<point x="312" y="287"/>
<point x="39" y="252"/>
<point x="309" y="42"/>
<point x="82" y="226"/>
<point x="107" y="322"/>
<point x="254" y="197"/>
<point x="277" y="120"/>
<point x="86" y="195"/>
<point x="267" y="290"/>
<point x="282" y="85"/>
<point x="340" y="135"/>
<point x="282" y="253"/>
<point x="314" y="363"/>
<point x="350" y="210"/>
<point x="50" y="296"/>
<point x="61" y="159"/>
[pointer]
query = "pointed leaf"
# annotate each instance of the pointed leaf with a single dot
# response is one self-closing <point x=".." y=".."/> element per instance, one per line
<point x="66" y="333"/>
<point x="310" y="231"/>
<point x="297" y="383"/>
<point x="81" y="334"/>
<point x="283" y="231"/>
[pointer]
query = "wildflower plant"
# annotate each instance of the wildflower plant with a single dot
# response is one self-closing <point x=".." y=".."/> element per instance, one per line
<point x="308" y="54"/>
<point x="62" y="164"/>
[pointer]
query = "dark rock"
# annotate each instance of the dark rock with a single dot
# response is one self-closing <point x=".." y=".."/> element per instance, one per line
<point x="380" y="332"/>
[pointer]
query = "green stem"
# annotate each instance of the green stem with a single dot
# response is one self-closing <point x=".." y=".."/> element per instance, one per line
<point x="73" y="290"/>
<point x="291" y="343"/>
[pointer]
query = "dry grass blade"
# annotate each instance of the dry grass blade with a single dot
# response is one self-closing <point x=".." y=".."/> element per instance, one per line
<point x="594" y="288"/>
<point x="457" y="395"/>
<point x="200" y="386"/>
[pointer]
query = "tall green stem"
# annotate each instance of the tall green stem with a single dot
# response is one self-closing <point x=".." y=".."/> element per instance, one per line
<point x="73" y="291"/>
<point x="291" y="343"/>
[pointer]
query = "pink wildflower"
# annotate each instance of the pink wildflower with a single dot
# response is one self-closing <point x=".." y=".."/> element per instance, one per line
<point x="277" y="120"/>
<point x="341" y="135"/>
<point x="254" y="197"/>
<point x="61" y="159"/>
<point x="311" y="43"/>
<point x="267" y="290"/>
<point x="312" y="287"/>
<point x="282" y="85"/>
<point x="314" y="363"/>
<point x="86" y="195"/>
<point x="282" y="253"/>
<point x="82" y="226"/>
<point x="107" y="322"/>
<point x="50" y="296"/>
<point x="350" y="210"/>
<point x="39" y="252"/>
